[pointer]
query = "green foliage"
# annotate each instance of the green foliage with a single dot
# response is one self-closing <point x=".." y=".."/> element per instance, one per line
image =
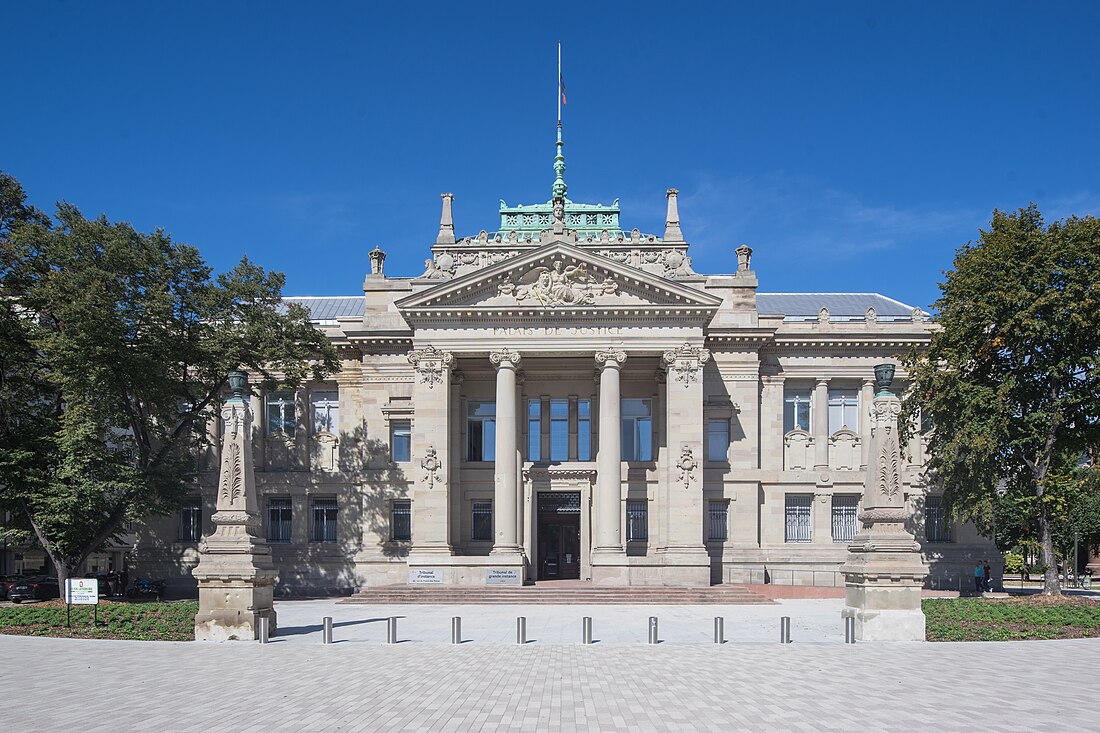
<point x="117" y="347"/>
<point x="151" y="621"/>
<point x="965" y="619"/>
<point x="1014" y="563"/>
<point x="1011" y="379"/>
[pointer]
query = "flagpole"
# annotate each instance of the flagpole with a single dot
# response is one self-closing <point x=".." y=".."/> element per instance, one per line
<point x="559" y="83"/>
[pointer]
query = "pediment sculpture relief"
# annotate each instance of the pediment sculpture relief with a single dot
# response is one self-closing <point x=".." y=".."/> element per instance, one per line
<point x="559" y="285"/>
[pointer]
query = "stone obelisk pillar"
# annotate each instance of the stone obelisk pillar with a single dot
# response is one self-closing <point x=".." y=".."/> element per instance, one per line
<point x="884" y="571"/>
<point x="235" y="573"/>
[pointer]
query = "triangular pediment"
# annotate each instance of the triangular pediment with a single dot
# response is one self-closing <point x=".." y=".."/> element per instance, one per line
<point x="562" y="278"/>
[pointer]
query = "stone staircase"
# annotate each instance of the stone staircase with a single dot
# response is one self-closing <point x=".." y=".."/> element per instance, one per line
<point x="554" y="594"/>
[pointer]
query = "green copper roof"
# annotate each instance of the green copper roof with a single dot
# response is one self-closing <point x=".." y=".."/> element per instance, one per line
<point x="588" y="220"/>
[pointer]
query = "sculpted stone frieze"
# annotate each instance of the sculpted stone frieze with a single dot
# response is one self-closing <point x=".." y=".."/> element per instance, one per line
<point x="558" y="285"/>
<point x="686" y="362"/>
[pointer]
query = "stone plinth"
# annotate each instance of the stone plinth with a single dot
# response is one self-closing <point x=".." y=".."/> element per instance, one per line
<point x="884" y="572"/>
<point x="235" y="574"/>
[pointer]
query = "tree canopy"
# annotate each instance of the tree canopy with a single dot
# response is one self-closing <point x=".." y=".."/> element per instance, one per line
<point x="116" y="348"/>
<point x="1010" y="380"/>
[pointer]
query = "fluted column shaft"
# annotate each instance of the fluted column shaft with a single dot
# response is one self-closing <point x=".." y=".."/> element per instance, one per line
<point x="608" y="534"/>
<point x="505" y="472"/>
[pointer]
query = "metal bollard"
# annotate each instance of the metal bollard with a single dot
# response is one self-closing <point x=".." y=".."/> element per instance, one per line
<point x="586" y="630"/>
<point x="850" y="630"/>
<point x="391" y="630"/>
<point x="521" y="630"/>
<point x="265" y="624"/>
<point x="456" y="629"/>
<point x="326" y="630"/>
<point x="719" y="630"/>
<point x="653" y="630"/>
<point x="785" y="630"/>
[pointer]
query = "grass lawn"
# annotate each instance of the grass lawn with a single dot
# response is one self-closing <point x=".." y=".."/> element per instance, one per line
<point x="145" y="621"/>
<point x="1011" y="619"/>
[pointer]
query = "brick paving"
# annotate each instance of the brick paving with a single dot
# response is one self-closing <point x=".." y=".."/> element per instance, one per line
<point x="58" y="684"/>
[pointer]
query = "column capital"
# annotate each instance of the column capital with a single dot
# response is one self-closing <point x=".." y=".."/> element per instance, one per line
<point x="822" y="381"/>
<point x="612" y="357"/>
<point x="505" y="359"/>
<point x="686" y="361"/>
<point x="430" y="363"/>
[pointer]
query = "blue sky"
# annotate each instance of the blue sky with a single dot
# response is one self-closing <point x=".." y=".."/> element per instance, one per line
<point x="853" y="145"/>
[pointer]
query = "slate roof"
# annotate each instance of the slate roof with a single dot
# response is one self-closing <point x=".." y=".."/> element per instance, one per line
<point x="795" y="306"/>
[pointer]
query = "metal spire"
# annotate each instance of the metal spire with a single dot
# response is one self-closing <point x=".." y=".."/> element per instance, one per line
<point x="559" y="188"/>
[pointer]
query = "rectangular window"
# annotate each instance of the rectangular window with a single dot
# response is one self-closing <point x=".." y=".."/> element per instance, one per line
<point x="843" y="410"/>
<point x="637" y="430"/>
<point x="534" y="429"/>
<point x="401" y="521"/>
<point x="718" y="514"/>
<point x="278" y="519"/>
<point x="559" y="430"/>
<point x="637" y="521"/>
<point x="324" y="518"/>
<point x="280" y="414"/>
<point x="400" y="441"/>
<point x="937" y="528"/>
<point x="481" y="431"/>
<point x="796" y="410"/>
<point x="584" y="430"/>
<point x="718" y="440"/>
<point x="845" y="523"/>
<point x="325" y="411"/>
<point x="190" y="528"/>
<point x="799" y="517"/>
<point x="482" y="525"/>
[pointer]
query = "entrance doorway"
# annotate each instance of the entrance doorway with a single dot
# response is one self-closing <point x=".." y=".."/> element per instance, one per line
<point x="559" y="535"/>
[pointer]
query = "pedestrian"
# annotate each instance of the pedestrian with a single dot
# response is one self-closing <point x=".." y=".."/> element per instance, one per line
<point x="979" y="577"/>
<point x="987" y="576"/>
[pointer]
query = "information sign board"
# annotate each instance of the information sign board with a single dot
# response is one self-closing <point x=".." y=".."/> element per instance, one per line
<point x="502" y="576"/>
<point x="425" y="576"/>
<point x="82" y="591"/>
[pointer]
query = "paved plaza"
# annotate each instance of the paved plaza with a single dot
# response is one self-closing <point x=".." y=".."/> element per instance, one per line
<point x="552" y="684"/>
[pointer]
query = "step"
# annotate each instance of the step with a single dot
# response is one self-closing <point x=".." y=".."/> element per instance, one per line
<point x="639" y="595"/>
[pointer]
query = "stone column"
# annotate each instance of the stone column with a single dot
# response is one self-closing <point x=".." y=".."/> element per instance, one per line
<point x="505" y="476"/>
<point x="235" y="574"/>
<point x="884" y="571"/>
<point x="431" y="452"/>
<point x="821" y="424"/>
<point x="608" y="498"/>
<point x="867" y="393"/>
<point x="684" y="544"/>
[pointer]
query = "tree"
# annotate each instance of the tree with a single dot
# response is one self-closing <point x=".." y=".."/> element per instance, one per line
<point x="124" y="341"/>
<point x="1011" y="379"/>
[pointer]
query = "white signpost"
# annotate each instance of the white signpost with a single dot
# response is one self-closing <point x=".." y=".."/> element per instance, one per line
<point x="82" y="592"/>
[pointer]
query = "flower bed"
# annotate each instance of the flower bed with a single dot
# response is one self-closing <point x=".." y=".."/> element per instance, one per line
<point x="145" y="621"/>
<point x="1011" y="619"/>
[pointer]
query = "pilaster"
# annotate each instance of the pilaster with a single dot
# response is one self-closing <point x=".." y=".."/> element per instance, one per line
<point x="431" y="452"/>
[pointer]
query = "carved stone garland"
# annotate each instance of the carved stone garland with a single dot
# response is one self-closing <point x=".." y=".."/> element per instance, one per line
<point x="687" y="465"/>
<point x="686" y="362"/>
<point x="431" y="465"/>
<point x="429" y="364"/>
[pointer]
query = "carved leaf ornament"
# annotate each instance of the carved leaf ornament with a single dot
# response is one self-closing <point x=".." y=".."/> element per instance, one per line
<point x="686" y="362"/>
<point x="429" y="363"/>
<point x="232" y="483"/>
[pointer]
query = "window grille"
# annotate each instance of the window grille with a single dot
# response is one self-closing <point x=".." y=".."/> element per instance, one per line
<point x="324" y="519"/>
<point x="278" y="519"/>
<point x="798" y="513"/>
<point x="845" y="522"/>
<point x="190" y="526"/>
<point x="637" y="521"/>
<point x="482" y="522"/>
<point x="718" y="513"/>
<point x="559" y="502"/>
<point x="401" y="521"/>
<point x="937" y="528"/>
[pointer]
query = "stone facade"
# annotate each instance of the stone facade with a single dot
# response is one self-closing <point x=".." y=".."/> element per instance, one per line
<point x="564" y="398"/>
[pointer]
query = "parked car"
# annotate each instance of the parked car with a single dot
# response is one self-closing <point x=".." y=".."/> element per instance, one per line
<point x="34" y="589"/>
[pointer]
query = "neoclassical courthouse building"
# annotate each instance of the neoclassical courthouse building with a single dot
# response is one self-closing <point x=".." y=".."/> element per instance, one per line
<point x="567" y="398"/>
